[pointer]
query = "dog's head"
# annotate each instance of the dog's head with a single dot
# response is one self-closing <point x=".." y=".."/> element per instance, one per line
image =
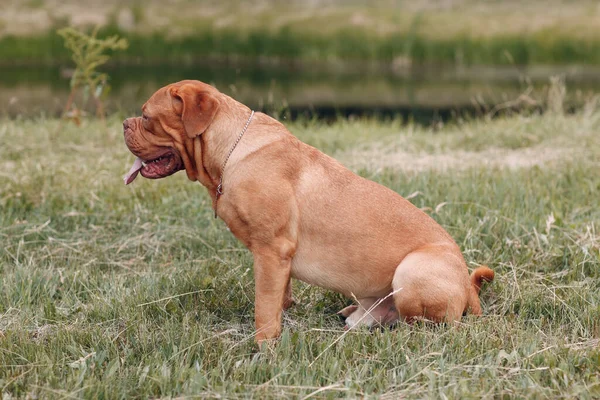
<point x="163" y="137"/>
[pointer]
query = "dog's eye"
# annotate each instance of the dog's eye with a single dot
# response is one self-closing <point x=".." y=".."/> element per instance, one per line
<point x="145" y="118"/>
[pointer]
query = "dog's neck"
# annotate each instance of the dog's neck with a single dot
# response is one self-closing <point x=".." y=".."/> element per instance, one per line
<point x="221" y="137"/>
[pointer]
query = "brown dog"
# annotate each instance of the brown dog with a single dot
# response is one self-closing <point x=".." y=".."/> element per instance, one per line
<point x="302" y="214"/>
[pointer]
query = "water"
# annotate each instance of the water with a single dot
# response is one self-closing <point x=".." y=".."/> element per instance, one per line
<point x="289" y="90"/>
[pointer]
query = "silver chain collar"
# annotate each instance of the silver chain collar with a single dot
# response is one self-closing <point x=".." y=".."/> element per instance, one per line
<point x="219" y="191"/>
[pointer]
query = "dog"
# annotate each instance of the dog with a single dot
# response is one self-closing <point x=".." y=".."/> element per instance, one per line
<point x="302" y="214"/>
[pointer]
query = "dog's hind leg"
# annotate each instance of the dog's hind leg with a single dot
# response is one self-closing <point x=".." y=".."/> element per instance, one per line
<point x="371" y="312"/>
<point x="432" y="283"/>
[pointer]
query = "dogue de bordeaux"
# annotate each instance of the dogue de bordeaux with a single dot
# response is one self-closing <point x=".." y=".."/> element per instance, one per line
<point x="302" y="214"/>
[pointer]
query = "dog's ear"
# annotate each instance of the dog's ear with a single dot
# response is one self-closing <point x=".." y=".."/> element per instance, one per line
<point x="197" y="108"/>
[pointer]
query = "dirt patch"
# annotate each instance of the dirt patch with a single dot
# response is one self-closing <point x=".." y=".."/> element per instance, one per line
<point x="377" y="158"/>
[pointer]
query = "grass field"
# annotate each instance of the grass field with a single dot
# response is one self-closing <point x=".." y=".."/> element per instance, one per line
<point x="109" y="291"/>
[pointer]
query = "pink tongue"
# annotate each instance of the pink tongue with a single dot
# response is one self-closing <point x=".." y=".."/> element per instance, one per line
<point x="133" y="172"/>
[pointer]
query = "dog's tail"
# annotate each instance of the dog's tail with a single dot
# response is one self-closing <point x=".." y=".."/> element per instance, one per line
<point x="481" y="274"/>
<point x="478" y="276"/>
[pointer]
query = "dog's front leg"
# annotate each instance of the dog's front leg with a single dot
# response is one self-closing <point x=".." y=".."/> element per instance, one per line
<point x="272" y="269"/>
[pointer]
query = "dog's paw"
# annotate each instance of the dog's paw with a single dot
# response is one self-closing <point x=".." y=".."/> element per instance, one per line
<point x="289" y="303"/>
<point x="267" y="346"/>
<point x="347" y="311"/>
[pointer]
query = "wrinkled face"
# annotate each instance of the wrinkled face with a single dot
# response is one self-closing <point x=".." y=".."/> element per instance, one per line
<point x="163" y="136"/>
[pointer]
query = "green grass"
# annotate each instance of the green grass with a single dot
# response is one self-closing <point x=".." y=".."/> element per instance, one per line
<point x="109" y="291"/>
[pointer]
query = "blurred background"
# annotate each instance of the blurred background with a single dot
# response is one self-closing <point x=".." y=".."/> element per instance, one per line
<point x="426" y="60"/>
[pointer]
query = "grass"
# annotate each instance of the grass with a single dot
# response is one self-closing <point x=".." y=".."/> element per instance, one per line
<point x="393" y="33"/>
<point x="109" y="291"/>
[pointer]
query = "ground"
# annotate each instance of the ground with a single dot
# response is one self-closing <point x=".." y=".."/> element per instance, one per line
<point x="137" y="291"/>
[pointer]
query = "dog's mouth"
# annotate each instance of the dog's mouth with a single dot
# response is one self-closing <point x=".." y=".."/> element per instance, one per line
<point x="166" y="164"/>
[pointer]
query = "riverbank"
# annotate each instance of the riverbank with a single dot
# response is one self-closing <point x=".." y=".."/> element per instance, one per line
<point x="424" y="97"/>
<point x="399" y="34"/>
